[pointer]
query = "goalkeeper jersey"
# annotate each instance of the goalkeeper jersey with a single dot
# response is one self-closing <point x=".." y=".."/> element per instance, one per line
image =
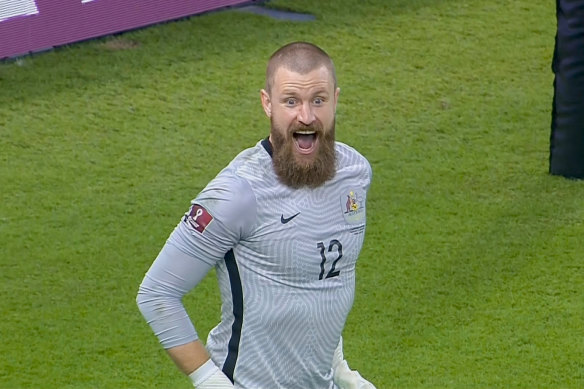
<point x="285" y="263"/>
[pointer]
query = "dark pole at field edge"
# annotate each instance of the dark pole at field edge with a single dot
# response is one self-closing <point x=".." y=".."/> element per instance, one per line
<point x="567" y="127"/>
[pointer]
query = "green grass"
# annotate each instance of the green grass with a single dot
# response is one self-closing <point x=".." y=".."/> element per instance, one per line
<point x="471" y="275"/>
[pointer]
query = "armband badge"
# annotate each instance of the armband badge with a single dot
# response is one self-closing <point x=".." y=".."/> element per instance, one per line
<point x="198" y="218"/>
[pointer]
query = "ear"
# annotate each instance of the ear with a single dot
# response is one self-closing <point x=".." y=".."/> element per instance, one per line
<point x="337" y="92"/>
<point x="266" y="102"/>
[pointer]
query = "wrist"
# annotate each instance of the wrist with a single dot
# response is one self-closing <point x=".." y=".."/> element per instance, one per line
<point x="203" y="372"/>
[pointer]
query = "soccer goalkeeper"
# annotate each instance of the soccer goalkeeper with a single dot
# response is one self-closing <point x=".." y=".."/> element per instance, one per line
<point x="283" y="225"/>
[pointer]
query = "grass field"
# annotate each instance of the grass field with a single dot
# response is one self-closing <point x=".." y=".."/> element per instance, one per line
<point x="471" y="275"/>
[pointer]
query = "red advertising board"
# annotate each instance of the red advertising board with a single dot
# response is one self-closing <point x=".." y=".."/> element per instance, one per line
<point x="34" y="25"/>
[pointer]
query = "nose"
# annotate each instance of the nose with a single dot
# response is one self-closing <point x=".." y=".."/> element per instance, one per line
<point x="305" y="114"/>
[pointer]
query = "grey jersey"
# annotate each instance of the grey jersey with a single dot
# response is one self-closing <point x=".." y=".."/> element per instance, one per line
<point x="285" y="261"/>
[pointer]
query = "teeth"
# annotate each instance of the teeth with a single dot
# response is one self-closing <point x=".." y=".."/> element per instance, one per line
<point x="306" y="132"/>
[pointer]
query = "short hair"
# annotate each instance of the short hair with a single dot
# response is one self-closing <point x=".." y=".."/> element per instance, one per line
<point x="299" y="57"/>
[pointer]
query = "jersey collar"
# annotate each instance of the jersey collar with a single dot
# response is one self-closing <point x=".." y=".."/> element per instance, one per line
<point x="267" y="145"/>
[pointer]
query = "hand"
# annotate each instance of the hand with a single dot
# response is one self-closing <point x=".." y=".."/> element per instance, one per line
<point x="208" y="376"/>
<point x="346" y="378"/>
<point x="343" y="376"/>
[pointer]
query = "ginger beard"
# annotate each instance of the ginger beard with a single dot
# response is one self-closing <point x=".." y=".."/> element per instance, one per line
<point x="297" y="171"/>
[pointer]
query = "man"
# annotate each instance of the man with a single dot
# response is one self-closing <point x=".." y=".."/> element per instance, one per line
<point x="283" y="224"/>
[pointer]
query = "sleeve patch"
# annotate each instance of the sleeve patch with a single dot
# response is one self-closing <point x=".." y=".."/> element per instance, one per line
<point x="198" y="218"/>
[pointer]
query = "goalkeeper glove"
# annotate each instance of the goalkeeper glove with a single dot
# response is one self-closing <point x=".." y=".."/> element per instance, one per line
<point x="208" y="376"/>
<point x="343" y="376"/>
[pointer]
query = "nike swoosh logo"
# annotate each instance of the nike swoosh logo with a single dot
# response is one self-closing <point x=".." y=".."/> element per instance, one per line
<point x="286" y="220"/>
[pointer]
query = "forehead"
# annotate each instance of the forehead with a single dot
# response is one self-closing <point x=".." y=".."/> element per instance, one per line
<point x="289" y="80"/>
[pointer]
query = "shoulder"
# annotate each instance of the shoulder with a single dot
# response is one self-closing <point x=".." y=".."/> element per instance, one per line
<point x="252" y="164"/>
<point x="227" y="195"/>
<point x="348" y="158"/>
<point x="349" y="154"/>
<point x="230" y="196"/>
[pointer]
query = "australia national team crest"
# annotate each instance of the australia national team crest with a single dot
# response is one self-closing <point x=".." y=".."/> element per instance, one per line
<point x="198" y="218"/>
<point x="353" y="206"/>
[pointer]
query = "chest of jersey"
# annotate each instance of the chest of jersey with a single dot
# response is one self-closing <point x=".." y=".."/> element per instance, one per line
<point x="308" y="235"/>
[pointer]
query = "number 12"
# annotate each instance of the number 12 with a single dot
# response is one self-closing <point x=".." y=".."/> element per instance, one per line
<point x="334" y="243"/>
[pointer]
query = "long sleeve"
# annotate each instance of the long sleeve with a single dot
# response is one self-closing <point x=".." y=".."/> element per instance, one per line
<point x="172" y="275"/>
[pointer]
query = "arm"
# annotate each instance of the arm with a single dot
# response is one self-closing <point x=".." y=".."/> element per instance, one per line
<point x="193" y="360"/>
<point x="214" y="224"/>
<point x="170" y="277"/>
<point x="189" y="357"/>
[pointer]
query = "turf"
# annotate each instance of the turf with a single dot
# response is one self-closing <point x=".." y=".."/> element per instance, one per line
<point x="471" y="275"/>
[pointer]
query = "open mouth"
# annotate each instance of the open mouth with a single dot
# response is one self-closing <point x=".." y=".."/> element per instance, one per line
<point x="305" y="140"/>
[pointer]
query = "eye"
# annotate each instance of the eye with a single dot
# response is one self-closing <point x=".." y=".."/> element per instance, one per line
<point x="290" y="101"/>
<point x="318" y="101"/>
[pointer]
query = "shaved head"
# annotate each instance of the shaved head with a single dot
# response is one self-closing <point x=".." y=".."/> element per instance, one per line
<point x="299" y="57"/>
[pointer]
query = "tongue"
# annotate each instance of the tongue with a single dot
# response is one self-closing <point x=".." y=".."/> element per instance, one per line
<point x="305" y="141"/>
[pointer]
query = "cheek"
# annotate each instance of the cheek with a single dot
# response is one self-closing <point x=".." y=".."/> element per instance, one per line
<point x="282" y="119"/>
<point x="327" y="118"/>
